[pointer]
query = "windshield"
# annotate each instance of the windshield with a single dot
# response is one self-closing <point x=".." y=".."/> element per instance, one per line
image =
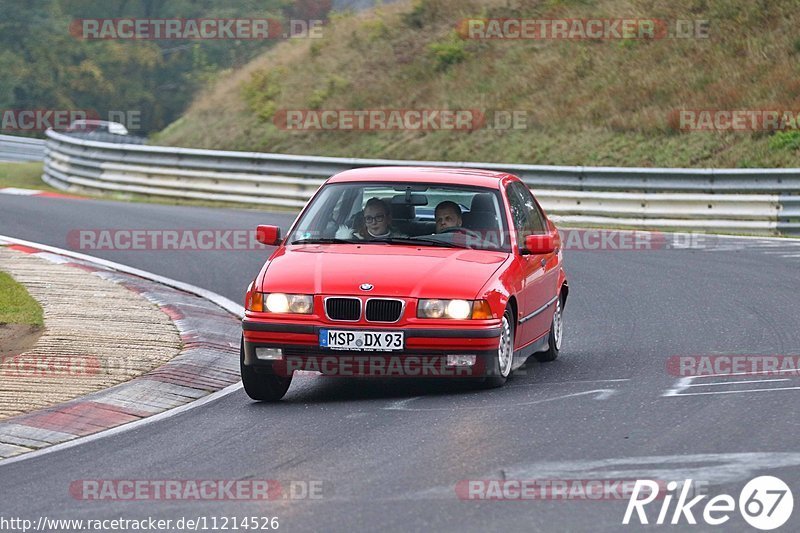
<point x="405" y="214"/>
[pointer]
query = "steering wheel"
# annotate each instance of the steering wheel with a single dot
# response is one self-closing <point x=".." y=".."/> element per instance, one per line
<point x="465" y="231"/>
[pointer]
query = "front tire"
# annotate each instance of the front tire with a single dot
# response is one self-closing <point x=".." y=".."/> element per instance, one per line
<point x="556" y="335"/>
<point x="500" y="366"/>
<point x="262" y="387"/>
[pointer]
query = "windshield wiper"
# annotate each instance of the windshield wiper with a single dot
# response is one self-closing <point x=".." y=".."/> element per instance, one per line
<point x="323" y="241"/>
<point x="416" y="240"/>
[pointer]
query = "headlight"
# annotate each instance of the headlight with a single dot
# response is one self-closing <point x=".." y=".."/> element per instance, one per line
<point x="455" y="309"/>
<point x="431" y="308"/>
<point x="459" y="309"/>
<point x="301" y="304"/>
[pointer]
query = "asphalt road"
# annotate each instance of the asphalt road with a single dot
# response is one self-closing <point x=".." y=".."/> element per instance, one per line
<point x="389" y="453"/>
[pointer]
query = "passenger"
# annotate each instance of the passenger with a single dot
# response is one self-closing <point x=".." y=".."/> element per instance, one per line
<point x="447" y="215"/>
<point x="377" y="220"/>
<point x="376" y="223"/>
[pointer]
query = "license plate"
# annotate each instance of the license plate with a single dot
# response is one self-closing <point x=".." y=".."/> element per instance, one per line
<point x="361" y="341"/>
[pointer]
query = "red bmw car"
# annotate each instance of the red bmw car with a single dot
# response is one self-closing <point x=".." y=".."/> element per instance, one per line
<point x="407" y="271"/>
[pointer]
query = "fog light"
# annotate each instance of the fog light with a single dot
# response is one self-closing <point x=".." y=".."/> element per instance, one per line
<point x="269" y="354"/>
<point x="461" y="360"/>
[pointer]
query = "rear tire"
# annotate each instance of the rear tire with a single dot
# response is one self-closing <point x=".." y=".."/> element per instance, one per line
<point x="262" y="387"/>
<point x="499" y="367"/>
<point x="556" y="335"/>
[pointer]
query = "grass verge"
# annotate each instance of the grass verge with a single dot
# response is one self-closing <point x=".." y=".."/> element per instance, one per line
<point x="23" y="176"/>
<point x="16" y="305"/>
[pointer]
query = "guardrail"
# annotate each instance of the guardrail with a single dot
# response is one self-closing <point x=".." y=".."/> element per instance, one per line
<point x="21" y="148"/>
<point x="753" y="201"/>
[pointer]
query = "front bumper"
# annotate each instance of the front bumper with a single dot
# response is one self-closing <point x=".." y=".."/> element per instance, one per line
<point x="424" y="355"/>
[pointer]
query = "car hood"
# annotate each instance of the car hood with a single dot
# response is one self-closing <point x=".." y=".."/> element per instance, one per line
<point x="393" y="270"/>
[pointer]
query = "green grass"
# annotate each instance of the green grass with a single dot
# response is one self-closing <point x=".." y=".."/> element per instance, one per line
<point x="16" y="305"/>
<point x="23" y="176"/>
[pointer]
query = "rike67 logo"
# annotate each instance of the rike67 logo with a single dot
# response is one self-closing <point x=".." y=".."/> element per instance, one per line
<point x="766" y="503"/>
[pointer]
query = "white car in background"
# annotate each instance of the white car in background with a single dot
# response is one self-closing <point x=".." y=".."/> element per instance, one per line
<point x="97" y="126"/>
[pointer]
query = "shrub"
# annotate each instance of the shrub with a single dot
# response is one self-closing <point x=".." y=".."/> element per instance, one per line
<point x="260" y="93"/>
<point x="449" y="52"/>
<point x="785" y="140"/>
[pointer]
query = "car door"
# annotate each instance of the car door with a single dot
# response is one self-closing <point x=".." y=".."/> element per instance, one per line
<point x="539" y="271"/>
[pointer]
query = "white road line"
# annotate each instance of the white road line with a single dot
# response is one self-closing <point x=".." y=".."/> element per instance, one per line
<point x="743" y="391"/>
<point x="771" y="244"/>
<point x="402" y="405"/>
<point x="680" y="385"/>
<point x="19" y="192"/>
<point x="750" y="237"/>
<point x="688" y="381"/>
<point x="539" y="384"/>
<point x="753" y="373"/>
<point x="581" y="381"/>
<point x="125" y="427"/>
<point x="737" y="382"/>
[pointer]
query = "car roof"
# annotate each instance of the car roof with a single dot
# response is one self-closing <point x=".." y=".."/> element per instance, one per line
<point x="455" y="176"/>
<point x="94" y="122"/>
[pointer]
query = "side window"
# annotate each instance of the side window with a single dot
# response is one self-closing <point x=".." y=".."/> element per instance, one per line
<point x="535" y="216"/>
<point x="524" y="211"/>
<point x="356" y="205"/>
<point x="336" y="214"/>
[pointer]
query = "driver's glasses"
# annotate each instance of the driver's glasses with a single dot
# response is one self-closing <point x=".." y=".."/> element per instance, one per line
<point x="376" y="218"/>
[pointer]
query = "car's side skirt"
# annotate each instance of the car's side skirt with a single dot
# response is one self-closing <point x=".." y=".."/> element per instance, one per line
<point x="539" y="345"/>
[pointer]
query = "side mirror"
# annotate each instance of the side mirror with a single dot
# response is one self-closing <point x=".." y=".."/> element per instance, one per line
<point x="269" y="235"/>
<point x="541" y="244"/>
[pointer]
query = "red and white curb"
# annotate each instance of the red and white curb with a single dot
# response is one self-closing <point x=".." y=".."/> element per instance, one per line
<point x="34" y="192"/>
<point x="206" y="368"/>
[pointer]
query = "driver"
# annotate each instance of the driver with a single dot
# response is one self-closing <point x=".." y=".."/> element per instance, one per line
<point x="448" y="215"/>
